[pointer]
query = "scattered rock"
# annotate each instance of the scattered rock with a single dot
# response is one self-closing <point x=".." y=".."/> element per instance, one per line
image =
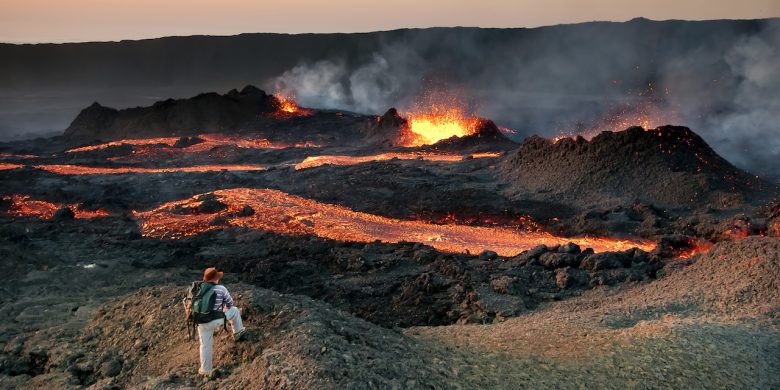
<point x="64" y="214"/>
<point x="488" y="255"/>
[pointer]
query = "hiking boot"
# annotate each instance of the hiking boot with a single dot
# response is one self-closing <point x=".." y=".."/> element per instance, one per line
<point x="240" y="336"/>
<point x="209" y="375"/>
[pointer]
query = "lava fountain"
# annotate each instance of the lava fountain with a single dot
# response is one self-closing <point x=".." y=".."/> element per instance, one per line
<point x="289" y="108"/>
<point x="440" y="123"/>
<point x="283" y="213"/>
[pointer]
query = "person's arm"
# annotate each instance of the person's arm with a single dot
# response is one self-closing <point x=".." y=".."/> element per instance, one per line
<point x="228" y="300"/>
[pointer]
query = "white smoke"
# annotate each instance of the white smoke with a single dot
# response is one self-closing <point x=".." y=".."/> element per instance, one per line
<point x="372" y="87"/>
<point x="749" y="133"/>
<point x="727" y="90"/>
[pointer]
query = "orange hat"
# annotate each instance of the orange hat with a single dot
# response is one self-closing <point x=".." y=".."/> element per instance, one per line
<point x="211" y="275"/>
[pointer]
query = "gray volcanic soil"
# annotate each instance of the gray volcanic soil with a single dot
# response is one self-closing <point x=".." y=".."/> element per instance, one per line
<point x="706" y="323"/>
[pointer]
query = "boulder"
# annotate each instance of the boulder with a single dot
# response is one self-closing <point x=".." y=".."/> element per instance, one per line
<point x="571" y="277"/>
<point x="64" y="214"/>
<point x="606" y="260"/>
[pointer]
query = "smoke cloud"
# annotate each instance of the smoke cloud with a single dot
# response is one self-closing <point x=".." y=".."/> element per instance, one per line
<point x="724" y="85"/>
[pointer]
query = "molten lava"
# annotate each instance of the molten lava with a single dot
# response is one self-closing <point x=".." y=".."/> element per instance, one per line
<point x="16" y="156"/>
<point x="440" y="123"/>
<point x="316" y="161"/>
<point x="283" y="213"/>
<point x="166" y="141"/>
<point x="7" y="166"/>
<point x="86" y="170"/>
<point x="696" y="247"/>
<point x="23" y="206"/>
<point x="508" y="220"/>
<point x="289" y="108"/>
<point x="209" y="141"/>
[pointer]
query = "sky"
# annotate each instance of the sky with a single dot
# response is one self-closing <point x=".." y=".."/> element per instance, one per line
<point x="35" y="21"/>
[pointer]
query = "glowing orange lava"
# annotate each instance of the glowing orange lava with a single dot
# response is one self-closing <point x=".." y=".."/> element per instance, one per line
<point x="19" y="156"/>
<point x="23" y="206"/>
<point x="167" y="141"/>
<point x="283" y="213"/>
<point x="697" y="247"/>
<point x="86" y="170"/>
<point x="438" y="124"/>
<point x="316" y="161"/>
<point x="210" y="141"/>
<point x="6" y="166"/>
<point x="288" y="107"/>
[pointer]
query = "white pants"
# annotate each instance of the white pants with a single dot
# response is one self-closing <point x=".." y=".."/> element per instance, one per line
<point x="206" y="333"/>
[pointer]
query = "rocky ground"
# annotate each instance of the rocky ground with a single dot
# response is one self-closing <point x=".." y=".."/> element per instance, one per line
<point x="711" y="321"/>
<point x="95" y="304"/>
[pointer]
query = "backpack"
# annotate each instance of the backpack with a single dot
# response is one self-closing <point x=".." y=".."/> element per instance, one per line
<point x="198" y="304"/>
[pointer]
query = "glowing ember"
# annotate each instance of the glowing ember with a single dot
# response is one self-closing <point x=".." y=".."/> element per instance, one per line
<point x="23" y="206"/>
<point x="315" y="161"/>
<point x="696" y="247"/>
<point x="85" y="170"/>
<point x="439" y="124"/>
<point x="645" y="108"/>
<point x="5" y="166"/>
<point x="283" y="213"/>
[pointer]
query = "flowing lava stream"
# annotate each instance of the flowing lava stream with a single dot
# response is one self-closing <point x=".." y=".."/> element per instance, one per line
<point x="283" y="213"/>
<point x="86" y="170"/>
<point x="316" y="161"/>
<point x="23" y="206"/>
<point x="7" y="166"/>
<point x="209" y="141"/>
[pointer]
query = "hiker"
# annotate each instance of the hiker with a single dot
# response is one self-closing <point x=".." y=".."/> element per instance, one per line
<point x="206" y="326"/>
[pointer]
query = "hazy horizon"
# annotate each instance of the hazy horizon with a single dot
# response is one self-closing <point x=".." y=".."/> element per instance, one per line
<point x="46" y="21"/>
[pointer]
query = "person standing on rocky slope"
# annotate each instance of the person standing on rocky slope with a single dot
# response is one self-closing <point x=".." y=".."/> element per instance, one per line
<point x="221" y="298"/>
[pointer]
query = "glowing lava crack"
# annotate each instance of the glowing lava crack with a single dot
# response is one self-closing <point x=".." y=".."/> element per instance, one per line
<point x="283" y="213"/>
<point x="87" y="170"/>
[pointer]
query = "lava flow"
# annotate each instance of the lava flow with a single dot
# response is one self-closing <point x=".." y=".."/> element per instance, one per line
<point x="316" y="161"/>
<point x="86" y="170"/>
<point x="165" y="141"/>
<point x="283" y="213"/>
<point x="7" y="166"/>
<point x="23" y="206"/>
<point x="203" y="143"/>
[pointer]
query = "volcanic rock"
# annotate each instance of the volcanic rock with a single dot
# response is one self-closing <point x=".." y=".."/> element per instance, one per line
<point x="487" y="137"/>
<point x="184" y="142"/>
<point x="571" y="277"/>
<point x="552" y="260"/>
<point x="388" y="127"/>
<point x="666" y="166"/>
<point x="205" y="113"/>
<point x="64" y="214"/>
<point x="606" y="260"/>
<point x="246" y="211"/>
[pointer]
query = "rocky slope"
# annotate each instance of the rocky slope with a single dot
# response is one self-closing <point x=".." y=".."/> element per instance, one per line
<point x="670" y="166"/>
<point x="250" y="110"/>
